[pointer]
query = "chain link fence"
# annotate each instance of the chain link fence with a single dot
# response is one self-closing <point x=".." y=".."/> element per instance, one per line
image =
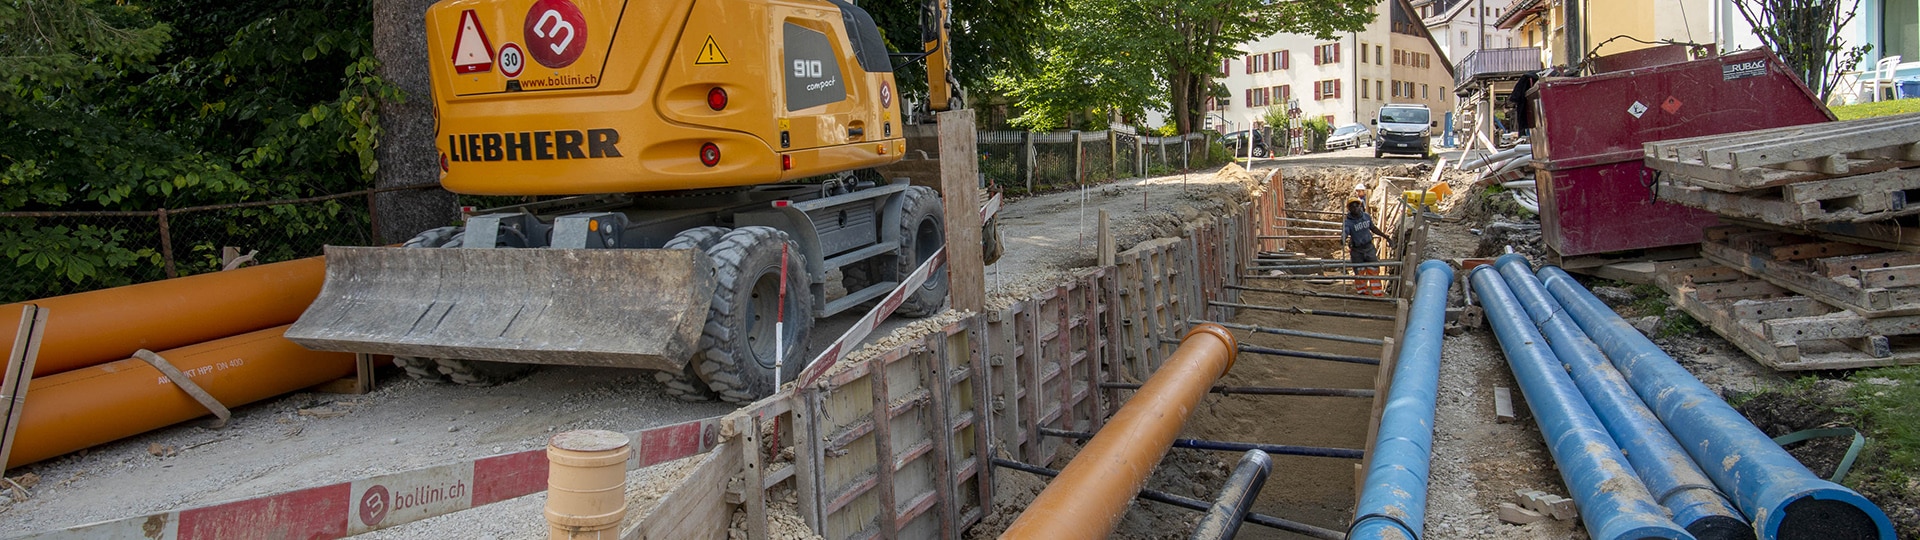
<point x="56" y="253"/>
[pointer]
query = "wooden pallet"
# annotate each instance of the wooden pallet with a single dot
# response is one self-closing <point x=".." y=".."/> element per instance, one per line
<point x="1901" y="234"/>
<point x="1790" y="332"/>
<point x="1861" y="278"/>
<point x="1867" y="197"/>
<point x="1780" y="156"/>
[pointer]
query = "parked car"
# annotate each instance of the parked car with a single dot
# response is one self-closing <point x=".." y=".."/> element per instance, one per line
<point x="1404" y="129"/>
<point x="1350" y="136"/>
<point x="1237" y="143"/>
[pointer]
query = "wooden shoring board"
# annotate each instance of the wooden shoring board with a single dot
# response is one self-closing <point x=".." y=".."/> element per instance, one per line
<point x="1750" y="336"/>
<point x="19" y="373"/>
<point x="1866" y="197"/>
<point x="980" y="433"/>
<point x="696" y="508"/>
<point x="1801" y="278"/>
<point x="933" y="370"/>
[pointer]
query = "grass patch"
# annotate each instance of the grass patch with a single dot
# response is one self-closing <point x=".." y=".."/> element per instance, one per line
<point x="1879" y="403"/>
<point x="1877" y="108"/>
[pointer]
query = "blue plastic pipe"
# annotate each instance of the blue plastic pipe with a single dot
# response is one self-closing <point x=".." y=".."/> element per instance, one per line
<point x="1780" y="495"/>
<point x="1662" y="465"/>
<point x="1613" y="503"/>
<point x="1393" y="501"/>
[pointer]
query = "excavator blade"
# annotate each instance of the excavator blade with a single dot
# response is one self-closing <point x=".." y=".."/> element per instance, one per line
<point x="637" y="308"/>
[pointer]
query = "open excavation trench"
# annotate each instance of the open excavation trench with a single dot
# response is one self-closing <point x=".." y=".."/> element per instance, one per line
<point x="904" y="420"/>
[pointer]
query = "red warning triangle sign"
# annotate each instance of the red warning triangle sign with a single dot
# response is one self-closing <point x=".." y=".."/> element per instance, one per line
<point x="472" y="53"/>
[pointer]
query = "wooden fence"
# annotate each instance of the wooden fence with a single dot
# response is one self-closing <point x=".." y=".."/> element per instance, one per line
<point x="897" y="445"/>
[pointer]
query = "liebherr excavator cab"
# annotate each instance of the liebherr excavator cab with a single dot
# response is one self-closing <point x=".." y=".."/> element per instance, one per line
<point x="665" y="141"/>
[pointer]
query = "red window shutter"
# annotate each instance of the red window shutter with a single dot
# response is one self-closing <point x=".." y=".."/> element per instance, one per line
<point x="1249" y="64"/>
<point x="1336" y="88"/>
<point x="1249" y="97"/>
<point x="1285" y="58"/>
<point x="1336" y="60"/>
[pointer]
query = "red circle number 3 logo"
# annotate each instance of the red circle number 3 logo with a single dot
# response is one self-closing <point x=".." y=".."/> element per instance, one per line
<point x="556" y="33"/>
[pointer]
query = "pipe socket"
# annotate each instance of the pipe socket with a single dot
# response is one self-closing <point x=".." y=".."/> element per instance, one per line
<point x="586" y="484"/>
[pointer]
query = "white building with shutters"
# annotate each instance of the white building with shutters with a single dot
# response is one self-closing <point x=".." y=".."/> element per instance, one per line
<point x="1344" y="80"/>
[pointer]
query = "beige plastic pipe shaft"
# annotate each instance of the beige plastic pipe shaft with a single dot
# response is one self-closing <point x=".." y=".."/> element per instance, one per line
<point x="1088" y="499"/>
<point x="586" y="484"/>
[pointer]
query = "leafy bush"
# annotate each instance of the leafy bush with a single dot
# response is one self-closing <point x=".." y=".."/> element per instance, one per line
<point x="1317" y="131"/>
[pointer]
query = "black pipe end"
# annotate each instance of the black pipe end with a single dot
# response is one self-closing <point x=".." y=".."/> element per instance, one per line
<point x="1820" y="519"/>
<point x="1720" y="528"/>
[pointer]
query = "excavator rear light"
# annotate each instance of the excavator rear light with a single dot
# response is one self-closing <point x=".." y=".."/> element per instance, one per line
<point x="709" y="154"/>
<point x="717" y="98"/>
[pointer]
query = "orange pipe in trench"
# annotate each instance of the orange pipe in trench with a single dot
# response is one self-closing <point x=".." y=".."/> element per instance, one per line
<point x="96" y="327"/>
<point x="89" y="406"/>
<point x="1088" y="499"/>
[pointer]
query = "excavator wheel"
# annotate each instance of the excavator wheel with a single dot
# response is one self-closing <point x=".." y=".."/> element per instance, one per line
<point x="922" y="230"/>
<point x="686" y="384"/>
<point x="481" y="373"/>
<point x="736" y="357"/>
<point x="421" y="369"/>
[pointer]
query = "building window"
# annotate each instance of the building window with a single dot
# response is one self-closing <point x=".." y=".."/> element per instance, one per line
<point x="1284" y="93"/>
<point x="1326" y="54"/>
<point x="1363" y="52"/>
<point x="1327" y="89"/>
<point x="1363" y="89"/>
<point x="1463" y="38"/>
<point x="1377" y="59"/>
<point x="1378" y="89"/>
<point x="1279" y="59"/>
<point x="1423" y="92"/>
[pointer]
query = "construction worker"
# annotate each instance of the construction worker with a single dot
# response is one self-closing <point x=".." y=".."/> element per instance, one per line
<point x="1357" y="231"/>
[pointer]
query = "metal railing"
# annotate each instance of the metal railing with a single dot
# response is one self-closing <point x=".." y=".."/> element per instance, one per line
<point x="1496" y="61"/>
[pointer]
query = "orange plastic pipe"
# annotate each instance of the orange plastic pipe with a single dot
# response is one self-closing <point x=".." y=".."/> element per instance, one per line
<point x="1088" y="499"/>
<point x="96" y="327"/>
<point x="89" y="406"/>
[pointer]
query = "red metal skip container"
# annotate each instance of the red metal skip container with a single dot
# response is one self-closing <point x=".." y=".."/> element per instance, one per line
<point x="1594" y="194"/>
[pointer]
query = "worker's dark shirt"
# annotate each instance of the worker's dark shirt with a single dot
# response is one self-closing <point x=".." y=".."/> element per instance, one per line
<point x="1357" y="231"/>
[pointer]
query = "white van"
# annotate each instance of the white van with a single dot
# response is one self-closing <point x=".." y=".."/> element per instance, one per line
<point x="1404" y="129"/>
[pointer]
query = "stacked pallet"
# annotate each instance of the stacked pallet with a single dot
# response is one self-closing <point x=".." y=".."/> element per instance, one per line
<point x="1836" y="172"/>
<point x="1820" y="268"/>
<point x="1796" y="302"/>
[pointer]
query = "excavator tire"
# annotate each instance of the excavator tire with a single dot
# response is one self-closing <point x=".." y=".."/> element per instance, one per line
<point x="922" y="229"/>
<point x="736" y="357"/>
<point x="686" y="384"/>
<point x="421" y="369"/>
<point x="481" y="373"/>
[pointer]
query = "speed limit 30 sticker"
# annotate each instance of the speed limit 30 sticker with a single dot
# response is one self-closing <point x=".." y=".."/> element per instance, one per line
<point x="512" y="60"/>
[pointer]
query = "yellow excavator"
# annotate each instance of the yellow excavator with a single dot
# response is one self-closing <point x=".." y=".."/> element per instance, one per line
<point x="701" y="168"/>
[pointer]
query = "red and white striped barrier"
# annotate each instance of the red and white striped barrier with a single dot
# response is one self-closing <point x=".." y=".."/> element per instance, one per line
<point x="858" y="333"/>
<point x="350" y="508"/>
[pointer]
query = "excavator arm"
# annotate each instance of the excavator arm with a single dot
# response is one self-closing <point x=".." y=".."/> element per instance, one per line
<point x="942" y="89"/>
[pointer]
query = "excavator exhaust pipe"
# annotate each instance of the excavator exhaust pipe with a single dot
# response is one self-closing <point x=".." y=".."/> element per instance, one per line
<point x="633" y="308"/>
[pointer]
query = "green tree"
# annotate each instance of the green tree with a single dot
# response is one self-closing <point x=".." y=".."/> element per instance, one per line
<point x="988" y="37"/>
<point x="175" y="103"/>
<point x="1129" y="56"/>
<point x="1806" y="35"/>
<point x="1199" y="35"/>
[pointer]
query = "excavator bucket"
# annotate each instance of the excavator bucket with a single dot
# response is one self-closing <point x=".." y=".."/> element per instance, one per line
<point x="636" y="308"/>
